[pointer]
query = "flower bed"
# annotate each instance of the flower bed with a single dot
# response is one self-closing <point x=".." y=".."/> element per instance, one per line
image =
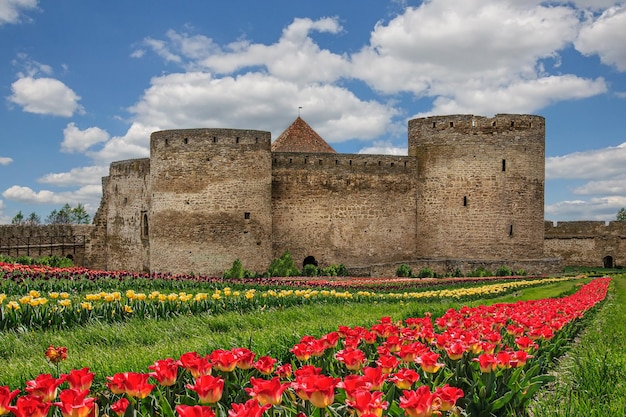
<point x="473" y="360"/>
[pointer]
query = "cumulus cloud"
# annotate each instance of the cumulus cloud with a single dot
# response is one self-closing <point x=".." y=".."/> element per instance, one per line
<point x="594" y="164"/>
<point x="5" y="160"/>
<point x="598" y="208"/>
<point x="605" y="36"/>
<point x="76" y="140"/>
<point x="45" y="96"/>
<point x="259" y="101"/>
<point x="88" y="195"/>
<point x="76" y="176"/>
<point x="384" y="148"/>
<point x="11" y="11"/>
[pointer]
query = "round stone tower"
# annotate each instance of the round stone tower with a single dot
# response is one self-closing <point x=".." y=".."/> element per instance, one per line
<point x="211" y="200"/>
<point x="480" y="186"/>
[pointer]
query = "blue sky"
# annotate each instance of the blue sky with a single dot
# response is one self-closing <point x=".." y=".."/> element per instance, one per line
<point x="84" y="83"/>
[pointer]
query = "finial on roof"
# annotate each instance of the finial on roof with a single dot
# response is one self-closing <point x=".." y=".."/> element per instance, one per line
<point x="299" y="108"/>
<point x="300" y="137"/>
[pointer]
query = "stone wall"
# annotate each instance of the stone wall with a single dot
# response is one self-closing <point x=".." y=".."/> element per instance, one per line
<point x="128" y="200"/>
<point x="45" y="240"/>
<point x="351" y="209"/>
<point x="587" y="243"/>
<point x="480" y="186"/>
<point x="211" y="200"/>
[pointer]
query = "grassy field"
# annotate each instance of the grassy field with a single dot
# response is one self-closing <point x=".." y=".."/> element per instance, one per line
<point x="133" y="346"/>
<point x="591" y="378"/>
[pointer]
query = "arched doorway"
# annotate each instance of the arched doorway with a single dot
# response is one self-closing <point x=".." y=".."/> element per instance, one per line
<point x="608" y="262"/>
<point x="309" y="260"/>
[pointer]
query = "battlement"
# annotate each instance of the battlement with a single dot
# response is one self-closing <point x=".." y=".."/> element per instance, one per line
<point x="584" y="229"/>
<point x="180" y="139"/>
<point x="333" y="163"/>
<point x="123" y="168"/>
<point x="470" y="129"/>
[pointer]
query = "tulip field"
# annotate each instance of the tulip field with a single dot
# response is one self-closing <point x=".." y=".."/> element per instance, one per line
<point x="293" y="348"/>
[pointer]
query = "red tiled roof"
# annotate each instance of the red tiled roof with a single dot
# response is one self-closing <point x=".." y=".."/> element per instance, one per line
<point x="300" y="137"/>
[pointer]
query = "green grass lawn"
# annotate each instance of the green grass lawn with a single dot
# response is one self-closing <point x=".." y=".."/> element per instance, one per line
<point x="132" y="346"/>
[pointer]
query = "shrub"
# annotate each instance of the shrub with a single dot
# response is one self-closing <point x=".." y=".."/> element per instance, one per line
<point x="504" y="271"/>
<point x="283" y="267"/>
<point x="521" y="272"/>
<point x="236" y="271"/>
<point x="310" y="270"/>
<point x="404" y="271"/>
<point x="457" y="273"/>
<point x="480" y="272"/>
<point x="426" y="273"/>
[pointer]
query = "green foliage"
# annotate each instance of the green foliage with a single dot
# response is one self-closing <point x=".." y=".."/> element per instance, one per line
<point x="480" y="272"/>
<point x="283" y="267"/>
<point x="621" y="215"/>
<point x="52" y="260"/>
<point x="457" y="273"/>
<point x="69" y="215"/>
<point x="521" y="272"/>
<point x="334" y="271"/>
<point x="504" y="271"/>
<point x="310" y="270"/>
<point x="236" y="271"/>
<point x="18" y="218"/>
<point x="404" y="271"/>
<point x="426" y="273"/>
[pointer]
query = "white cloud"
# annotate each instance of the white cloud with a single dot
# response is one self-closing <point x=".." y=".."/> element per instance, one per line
<point x="4" y="219"/>
<point x="258" y="101"/>
<point x="601" y="208"/>
<point x="88" y="195"/>
<point x="76" y="176"/>
<point x="134" y="144"/>
<point x="605" y="36"/>
<point x="615" y="186"/>
<point x="45" y="96"/>
<point x="76" y="140"/>
<point x="443" y="45"/>
<point x="5" y="160"/>
<point x="11" y="10"/>
<point x="384" y="148"/>
<point x="595" y="164"/>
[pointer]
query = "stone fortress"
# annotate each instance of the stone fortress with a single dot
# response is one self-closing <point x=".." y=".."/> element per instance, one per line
<point x="470" y="193"/>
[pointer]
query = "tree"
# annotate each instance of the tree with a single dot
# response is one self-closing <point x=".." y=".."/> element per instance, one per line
<point x="33" y="219"/>
<point x="69" y="215"/>
<point x="18" y="219"/>
<point x="621" y="215"/>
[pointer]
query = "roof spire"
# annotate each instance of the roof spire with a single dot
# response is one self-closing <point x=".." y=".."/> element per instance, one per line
<point x="299" y="108"/>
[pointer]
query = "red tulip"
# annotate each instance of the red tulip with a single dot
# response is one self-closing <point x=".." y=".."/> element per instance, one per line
<point x="6" y="396"/>
<point x="267" y="392"/>
<point x="56" y="354"/>
<point x="265" y="365"/>
<point x="447" y="397"/>
<point x="368" y="402"/>
<point x="486" y="362"/>
<point x="119" y="407"/>
<point x="44" y="386"/>
<point x="352" y="358"/>
<point x="30" y="406"/>
<point x="208" y="388"/>
<point x="428" y="362"/>
<point x="79" y="378"/>
<point x="417" y="403"/>
<point x="223" y="360"/>
<point x="74" y="403"/>
<point x="197" y="365"/>
<point x="137" y="385"/>
<point x="245" y="358"/>
<point x="165" y="371"/>
<point x="250" y="409"/>
<point x="284" y="371"/>
<point x="194" y="411"/>
<point x="404" y="378"/>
